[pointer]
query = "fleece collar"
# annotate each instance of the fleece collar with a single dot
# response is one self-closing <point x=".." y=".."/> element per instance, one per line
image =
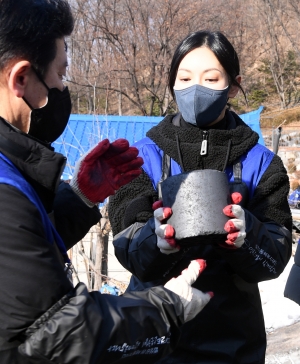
<point x="242" y="137"/>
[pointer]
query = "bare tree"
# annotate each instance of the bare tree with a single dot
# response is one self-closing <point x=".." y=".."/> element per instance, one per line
<point x="94" y="253"/>
<point x="276" y="58"/>
<point x="124" y="49"/>
<point x="121" y="49"/>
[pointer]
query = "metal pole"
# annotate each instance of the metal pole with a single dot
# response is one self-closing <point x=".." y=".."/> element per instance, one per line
<point x="275" y="139"/>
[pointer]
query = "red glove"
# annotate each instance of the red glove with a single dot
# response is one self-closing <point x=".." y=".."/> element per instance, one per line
<point x="192" y="299"/>
<point x="165" y="232"/>
<point x="235" y="227"/>
<point x="104" y="169"/>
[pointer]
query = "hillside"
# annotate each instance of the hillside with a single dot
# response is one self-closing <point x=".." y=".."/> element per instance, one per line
<point x="286" y="118"/>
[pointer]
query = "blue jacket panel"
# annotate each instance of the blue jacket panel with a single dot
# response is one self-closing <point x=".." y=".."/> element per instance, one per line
<point x="254" y="163"/>
<point x="10" y="175"/>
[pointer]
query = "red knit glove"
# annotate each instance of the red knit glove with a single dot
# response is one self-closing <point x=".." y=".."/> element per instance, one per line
<point x="236" y="227"/>
<point x="165" y="232"/>
<point x="104" y="169"/>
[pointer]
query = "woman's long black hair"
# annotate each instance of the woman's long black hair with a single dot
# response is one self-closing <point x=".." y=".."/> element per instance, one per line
<point x="218" y="44"/>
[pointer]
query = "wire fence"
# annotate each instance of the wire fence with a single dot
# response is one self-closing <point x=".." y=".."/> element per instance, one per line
<point x="290" y="137"/>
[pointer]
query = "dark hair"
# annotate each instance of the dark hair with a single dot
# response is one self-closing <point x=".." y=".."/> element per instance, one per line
<point x="218" y="44"/>
<point x="29" y="30"/>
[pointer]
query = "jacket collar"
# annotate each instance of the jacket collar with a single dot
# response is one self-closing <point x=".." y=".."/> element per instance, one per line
<point x="38" y="163"/>
<point x="242" y="137"/>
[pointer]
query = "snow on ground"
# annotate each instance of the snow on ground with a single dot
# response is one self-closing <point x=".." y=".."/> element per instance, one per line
<point x="278" y="310"/>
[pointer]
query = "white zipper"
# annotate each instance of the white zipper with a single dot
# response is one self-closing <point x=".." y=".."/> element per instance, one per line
<point x="203" y="150"/>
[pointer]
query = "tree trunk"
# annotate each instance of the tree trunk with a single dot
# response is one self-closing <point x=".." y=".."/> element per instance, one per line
<point x="98" y="258"/>
<point x="120" y="98"/>
<point x="104" y="266"/>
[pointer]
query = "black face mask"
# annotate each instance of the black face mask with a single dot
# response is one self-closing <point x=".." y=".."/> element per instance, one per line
<point x="49" y="122"/>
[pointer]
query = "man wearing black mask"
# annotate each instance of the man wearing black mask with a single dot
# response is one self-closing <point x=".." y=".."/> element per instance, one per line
<point x="49" y="122"/>
<point x="43" y="318"/>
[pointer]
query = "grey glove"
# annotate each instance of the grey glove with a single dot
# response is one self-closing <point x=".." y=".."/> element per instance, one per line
<point x="165" y="232"/>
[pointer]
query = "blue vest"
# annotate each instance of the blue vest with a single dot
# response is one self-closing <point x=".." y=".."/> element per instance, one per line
<point x="10" y="175"/>
<point x="254" y="164"/>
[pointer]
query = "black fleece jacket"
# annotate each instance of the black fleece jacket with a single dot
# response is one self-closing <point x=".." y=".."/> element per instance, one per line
<point x="231" y="328"/>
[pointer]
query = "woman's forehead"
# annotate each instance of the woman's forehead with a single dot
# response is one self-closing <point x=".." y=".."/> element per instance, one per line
<point x="201" y="58"/>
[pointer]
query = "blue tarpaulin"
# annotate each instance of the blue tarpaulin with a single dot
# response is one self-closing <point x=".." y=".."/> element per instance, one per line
<point x="108" y="289"/>
<point x="252" y="119"/>
<point x="85" y="131"/>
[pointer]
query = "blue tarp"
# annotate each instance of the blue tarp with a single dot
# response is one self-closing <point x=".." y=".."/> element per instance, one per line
<point x="85" y="131"/>
<point x="108" y="289"/>
<point x="294" y="198"/>
<point x="252" y="119"/>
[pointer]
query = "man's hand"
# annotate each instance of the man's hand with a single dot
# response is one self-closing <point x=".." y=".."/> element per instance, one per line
<point x="192" y="299"/>
<point x="165" y="232"/>
<point x="104" y="169"/>
<point x="236" y="227"/>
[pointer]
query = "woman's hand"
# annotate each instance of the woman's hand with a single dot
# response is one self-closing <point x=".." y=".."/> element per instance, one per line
<point x="236" y="227"/>
<point x="165" y="232"/>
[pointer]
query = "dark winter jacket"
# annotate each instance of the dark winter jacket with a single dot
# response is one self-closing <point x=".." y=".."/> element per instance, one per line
<point x="231" y="328"/>
<point x="41" y="315"/>
<point x="292" y="288"/>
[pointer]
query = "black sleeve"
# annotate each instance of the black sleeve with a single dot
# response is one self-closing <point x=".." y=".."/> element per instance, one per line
<point x="292" y="288"/>
<point x="270" y="202"/>
<point x="73" y="218"/>
<point x="33" y="276"/>
<point x="135" y="241"/>
<point x="268" y="243"/>
<point x="99" y="328"/>
<point x="132" y="203"/>
<point x="136" y="249"/>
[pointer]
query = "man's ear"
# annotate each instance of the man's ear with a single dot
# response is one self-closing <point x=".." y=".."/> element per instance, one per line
<point x="234" y="89"/>
<point x="18" y="77"/>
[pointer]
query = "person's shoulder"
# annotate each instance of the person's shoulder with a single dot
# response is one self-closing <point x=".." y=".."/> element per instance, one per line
<point x="151" y="154"/>
<point x="259" y="158"/>
<point x="143" y="142"/>
<point x="146" y="145"/>
<point x="259" y="148"/>
<point x="259" y="151"/>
